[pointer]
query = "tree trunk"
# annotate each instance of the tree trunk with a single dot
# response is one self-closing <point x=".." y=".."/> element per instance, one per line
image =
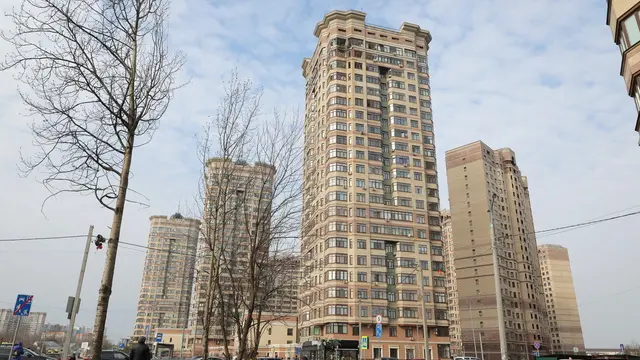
<point x="110" y="260"/>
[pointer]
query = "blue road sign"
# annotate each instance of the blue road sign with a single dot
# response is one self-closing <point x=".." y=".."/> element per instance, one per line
<point x="536" y="345"/>
<point x="621" y="348"/>
<point x="159" y="337"/>
<point x="23" y="305"/>
<point x="378" y="330"/>
<point x="121" y="346"/>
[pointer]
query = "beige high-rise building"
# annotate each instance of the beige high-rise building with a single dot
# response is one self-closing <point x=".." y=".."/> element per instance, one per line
<point x="455" y="333"/>
<point x="237" y="194"/>
<point x="479" y="176"/>
<point x="371" y="222"/>
<point x="30" y="326"/>
<point x="623" y="16"/>
<point x="167" y="279"/>
<point x="560" y="299"/>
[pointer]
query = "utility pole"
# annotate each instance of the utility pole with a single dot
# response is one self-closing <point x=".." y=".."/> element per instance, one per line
<point x="425" y="329"/>
<point x="182" y="345"/>
<point x="359" y="330"/>
<point x="481" y="349"/>
<point x="76" y="299"/>
<point x="498" y="283"/>
<point x="473" y="331"/>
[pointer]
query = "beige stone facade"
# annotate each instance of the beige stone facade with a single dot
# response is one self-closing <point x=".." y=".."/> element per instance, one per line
<point x="167" y="279"/>
<point x="371" y="205"/>
<point x="623" y="16"/>
<point x="560" y="298"/>
<point x="475" y="173"/>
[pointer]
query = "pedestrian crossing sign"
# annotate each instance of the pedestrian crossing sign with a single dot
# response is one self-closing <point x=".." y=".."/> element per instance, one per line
<point x="364" y="342"/>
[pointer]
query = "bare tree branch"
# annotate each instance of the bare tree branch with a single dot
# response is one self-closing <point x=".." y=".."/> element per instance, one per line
<point x="250" y="205"/>
<point x="97" y="77"/>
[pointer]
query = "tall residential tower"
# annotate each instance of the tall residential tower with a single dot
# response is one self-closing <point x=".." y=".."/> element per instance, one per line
<point x="623" y="16"/>
<point x="479" y="177"/>
<point x="167" y="280"/>
<point x="560" y="298"/>
<point x="371" y="223"/>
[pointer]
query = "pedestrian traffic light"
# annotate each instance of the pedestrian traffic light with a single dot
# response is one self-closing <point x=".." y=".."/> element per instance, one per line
<point x="99" y="241"/>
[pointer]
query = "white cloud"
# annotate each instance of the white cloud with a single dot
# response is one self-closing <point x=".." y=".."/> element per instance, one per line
<point x="574" y="141"/>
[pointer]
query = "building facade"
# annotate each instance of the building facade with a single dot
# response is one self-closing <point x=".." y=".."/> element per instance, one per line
<point x="372" y="240"/>
<point x="30" y="326"/>
<point x="452" y="285"/>
<point x="560" y="299"/>
<point x="623" y="16"/>
<point x="238" y="196"/>
<point x="481" y="180"/>
<point x="167" y="279"/>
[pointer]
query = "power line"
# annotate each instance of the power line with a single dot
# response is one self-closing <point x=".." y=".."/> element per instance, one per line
<point x="43" y="238"/>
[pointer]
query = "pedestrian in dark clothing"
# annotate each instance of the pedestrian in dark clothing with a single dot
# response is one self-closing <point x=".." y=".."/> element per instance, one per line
<point x="140" y="351"/>
<point x="17" y="351"/>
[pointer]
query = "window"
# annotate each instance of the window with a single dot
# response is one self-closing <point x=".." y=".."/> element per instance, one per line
<point x="341" y="310"/>
<point x="362" y="277"/>
<point x="630" y="31"/>
<point x="336" y="328"/>
<point x="408" y="332"/>
<point x="440" y="298"/>
<point x="336" y="242"/>
<point x="338" y="100"/>
<point x="336" y="275"/>
<point x="362" y="244"/>
<point x="336" y="293"/>
<point x="393" y="331"/>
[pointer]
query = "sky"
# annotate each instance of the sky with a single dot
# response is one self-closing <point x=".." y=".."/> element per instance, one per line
<point x="541" y="77"/>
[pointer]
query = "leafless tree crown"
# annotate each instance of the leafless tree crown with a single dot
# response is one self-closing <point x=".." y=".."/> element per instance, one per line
<point x="250" y="206"/>
<point x="99" y="75"/>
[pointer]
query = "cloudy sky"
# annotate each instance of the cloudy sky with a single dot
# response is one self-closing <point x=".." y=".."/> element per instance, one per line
<point x="541" y="77"/>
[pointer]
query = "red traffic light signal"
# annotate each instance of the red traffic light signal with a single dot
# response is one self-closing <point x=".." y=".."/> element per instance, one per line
<point x="99" y="241"/>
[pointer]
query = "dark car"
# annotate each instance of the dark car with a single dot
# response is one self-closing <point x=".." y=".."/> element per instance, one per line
<point x="114" y="355"/>
<point x="28" y="354"/>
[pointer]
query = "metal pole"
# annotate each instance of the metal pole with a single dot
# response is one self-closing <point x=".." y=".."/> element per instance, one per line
<point x="15" y="335"/>
<point x="76" y="299"/>
<point x="481" y="349"/>
<point x="425" y="328"/>
<point x="359" y="330"/>
<point x="473" y="331"/>
<point x="498" y="284"/>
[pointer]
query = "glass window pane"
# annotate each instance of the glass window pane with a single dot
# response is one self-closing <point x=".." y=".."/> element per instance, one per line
<point x="632" y="30"/>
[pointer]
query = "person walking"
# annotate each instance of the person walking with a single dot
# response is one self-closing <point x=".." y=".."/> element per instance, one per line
<point x="17" y="351"/>
<point x="140" y="351"/>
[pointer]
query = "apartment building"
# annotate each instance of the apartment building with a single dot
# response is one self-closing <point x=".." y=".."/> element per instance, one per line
<point x="482" y="180"/>
<point x="623" y="16"/>
<point x="372" y="240"/>
<point x="452" y="285"/>
<point x="167" y="278"/>
<point x="30" y="326"/>
<point x="236" y="194"/>
<point x="560" y="299"/>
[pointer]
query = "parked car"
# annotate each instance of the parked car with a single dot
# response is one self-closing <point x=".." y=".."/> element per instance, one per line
<point x="28" y="353"/>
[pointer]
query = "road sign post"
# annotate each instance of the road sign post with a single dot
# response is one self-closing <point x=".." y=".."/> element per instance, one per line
<point x="20" y="309"/>
<point x="159" y="337"/>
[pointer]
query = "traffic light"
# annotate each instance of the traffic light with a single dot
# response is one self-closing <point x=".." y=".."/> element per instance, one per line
<point x="99" y="241"/>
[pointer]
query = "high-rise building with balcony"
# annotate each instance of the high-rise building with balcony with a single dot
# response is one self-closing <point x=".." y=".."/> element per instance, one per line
<point x="481" y="180"/>
<point x="167" y="278"/>
<point x="623" y="16"/>
<point x="560" y="299"/>
<point x="236" y="209"/>
<point x="452" y="284"/>
<point x="371" y="222"/>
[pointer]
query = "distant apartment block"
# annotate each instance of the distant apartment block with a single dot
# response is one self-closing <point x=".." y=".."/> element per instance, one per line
<point x="30" y="326"/>
<point x="623" y="16"/>
<point x="478" y="178"/>
<point x="560" y="298"/>
<point x="242" y="193"/>
<point x="452" y="285"/>
<point x="167" y="279"/>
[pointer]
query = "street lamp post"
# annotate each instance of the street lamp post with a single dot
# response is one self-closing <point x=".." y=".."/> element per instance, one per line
<point x="498" y="283"/>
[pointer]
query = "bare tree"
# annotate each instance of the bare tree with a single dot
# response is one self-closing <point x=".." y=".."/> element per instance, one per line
<point x="99" y="76"/>
<point x="250" y="207"/>
<point x="632" y="349"/>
